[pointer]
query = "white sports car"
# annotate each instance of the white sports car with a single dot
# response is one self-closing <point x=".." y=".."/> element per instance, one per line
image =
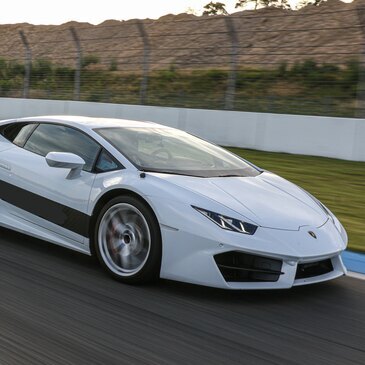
<point x="152" y="201"/>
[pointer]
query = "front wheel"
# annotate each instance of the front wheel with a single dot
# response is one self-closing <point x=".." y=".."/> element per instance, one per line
<point x="128" y="240"/>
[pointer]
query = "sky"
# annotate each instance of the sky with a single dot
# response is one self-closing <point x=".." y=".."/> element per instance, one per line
<point x="95" y="12"/>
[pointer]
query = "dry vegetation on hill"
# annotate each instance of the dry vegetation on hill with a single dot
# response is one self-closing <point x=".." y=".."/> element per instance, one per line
<point x="267" y="37"/>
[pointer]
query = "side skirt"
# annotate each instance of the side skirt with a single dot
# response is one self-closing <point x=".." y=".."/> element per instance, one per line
<point x="21" y="221"/>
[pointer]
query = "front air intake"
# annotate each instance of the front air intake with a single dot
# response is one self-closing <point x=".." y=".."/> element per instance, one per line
<point x="242" y="267"/>
<point x="311" y="269"/>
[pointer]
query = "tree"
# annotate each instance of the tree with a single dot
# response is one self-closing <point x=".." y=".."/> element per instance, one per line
<point x="89" y="60"/>
<point x="192" y="11"/>
<point x="304" y="3"/>
<point x="215" y="9"/>
<point x="243" y="3"/>
<point x="282" y="4"/>
<point x="113" y="65"/>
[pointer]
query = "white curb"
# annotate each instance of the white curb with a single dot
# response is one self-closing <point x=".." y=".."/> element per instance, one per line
<point x="356" y="275"/>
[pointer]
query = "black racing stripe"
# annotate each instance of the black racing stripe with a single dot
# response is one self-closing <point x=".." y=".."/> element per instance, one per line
<point x="47" y="209"/>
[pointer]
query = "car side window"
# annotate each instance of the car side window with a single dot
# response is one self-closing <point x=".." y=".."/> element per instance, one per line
<point x="18" y="133"/>
<point x="57" y="138"/>
<point x="106" y="163"/>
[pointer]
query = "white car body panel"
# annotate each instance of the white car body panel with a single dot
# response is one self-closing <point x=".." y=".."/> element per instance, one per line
<point x="19" y="220"/>
<point x="283" y="212"/>
<point x="250" y="197"/>
<point x="31" y="172"/>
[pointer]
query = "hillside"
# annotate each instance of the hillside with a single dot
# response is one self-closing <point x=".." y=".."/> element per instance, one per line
<point x="267" y="37"/>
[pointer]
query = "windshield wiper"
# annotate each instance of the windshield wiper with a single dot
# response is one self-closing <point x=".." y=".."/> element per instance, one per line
<point x="229" y="175"/>
<point x="157" y="171"/>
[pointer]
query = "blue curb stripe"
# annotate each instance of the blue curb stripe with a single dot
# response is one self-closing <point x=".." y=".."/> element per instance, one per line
<point x="354" y="261"/>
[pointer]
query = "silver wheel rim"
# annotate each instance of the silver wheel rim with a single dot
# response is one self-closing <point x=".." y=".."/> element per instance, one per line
<point x="124" y="239"/>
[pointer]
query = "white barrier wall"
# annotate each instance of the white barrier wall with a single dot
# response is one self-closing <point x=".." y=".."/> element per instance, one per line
<point x="342" y="138"/>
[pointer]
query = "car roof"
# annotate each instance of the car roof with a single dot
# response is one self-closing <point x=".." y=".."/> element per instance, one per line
<point x="86" y="122"/>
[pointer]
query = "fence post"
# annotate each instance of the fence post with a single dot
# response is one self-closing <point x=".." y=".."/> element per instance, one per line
<point x="28" y="64"/>
<point x="78" y="63"/>
<point x="232" y="76"/>
<point x="360" y="92"/>
<point x="146" y="60"/>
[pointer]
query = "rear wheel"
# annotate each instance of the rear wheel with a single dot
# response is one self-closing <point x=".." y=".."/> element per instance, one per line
<point x="128" y="240"/>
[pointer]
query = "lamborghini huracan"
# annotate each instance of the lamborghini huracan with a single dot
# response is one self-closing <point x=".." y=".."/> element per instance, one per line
<point x="153" y="202"/>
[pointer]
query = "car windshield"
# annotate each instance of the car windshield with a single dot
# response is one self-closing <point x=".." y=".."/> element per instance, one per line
<point x="168" y="150"/>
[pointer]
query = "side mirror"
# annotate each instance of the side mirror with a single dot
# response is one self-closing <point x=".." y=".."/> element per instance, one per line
<point x="66" y="160"/>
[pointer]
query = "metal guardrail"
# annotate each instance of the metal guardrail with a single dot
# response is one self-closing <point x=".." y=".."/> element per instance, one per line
<point x="341" y="138"/>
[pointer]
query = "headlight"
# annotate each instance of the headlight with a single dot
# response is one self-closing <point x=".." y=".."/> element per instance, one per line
<point x="227" y="223"/>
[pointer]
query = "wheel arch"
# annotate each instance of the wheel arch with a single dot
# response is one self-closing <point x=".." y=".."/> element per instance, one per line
<point x="106" y="197"/>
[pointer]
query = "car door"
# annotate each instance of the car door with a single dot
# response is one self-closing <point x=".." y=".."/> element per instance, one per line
<point x="45" y="196"/>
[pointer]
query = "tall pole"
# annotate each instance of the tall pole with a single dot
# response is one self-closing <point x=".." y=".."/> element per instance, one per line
<point x="232" y="76"/>
<point x="146" y="61"/>
<point x="360" y="92"/>
<point x="78" y="63"/>
<point x="28" y="64"/>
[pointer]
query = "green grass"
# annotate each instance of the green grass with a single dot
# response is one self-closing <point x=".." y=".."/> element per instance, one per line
<point x="339" y="184"/>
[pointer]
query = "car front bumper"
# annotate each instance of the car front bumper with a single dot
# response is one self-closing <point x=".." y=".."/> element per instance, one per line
<point x="190" y="256"/>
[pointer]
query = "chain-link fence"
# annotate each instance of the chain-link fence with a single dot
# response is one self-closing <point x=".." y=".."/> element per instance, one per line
<point x="269" y="60"/>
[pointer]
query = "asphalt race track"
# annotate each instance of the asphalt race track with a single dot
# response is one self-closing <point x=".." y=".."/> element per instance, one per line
<point x="58" y="307"/>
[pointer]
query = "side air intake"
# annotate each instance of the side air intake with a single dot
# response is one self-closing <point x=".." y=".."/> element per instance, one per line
<point x="242" y="267"/>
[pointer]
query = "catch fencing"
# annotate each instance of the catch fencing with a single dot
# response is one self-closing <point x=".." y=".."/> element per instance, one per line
<point x="268" y="60"/>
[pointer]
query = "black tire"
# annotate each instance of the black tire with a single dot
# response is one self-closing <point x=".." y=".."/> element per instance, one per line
<point x="120" y="245"/>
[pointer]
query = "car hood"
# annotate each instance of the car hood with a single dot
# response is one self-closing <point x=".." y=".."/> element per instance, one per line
<point x="266" y="200"/>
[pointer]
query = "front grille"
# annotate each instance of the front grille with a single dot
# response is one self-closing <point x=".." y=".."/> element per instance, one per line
<point x="242" y="267"/>
<point x="311" y="269"/>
